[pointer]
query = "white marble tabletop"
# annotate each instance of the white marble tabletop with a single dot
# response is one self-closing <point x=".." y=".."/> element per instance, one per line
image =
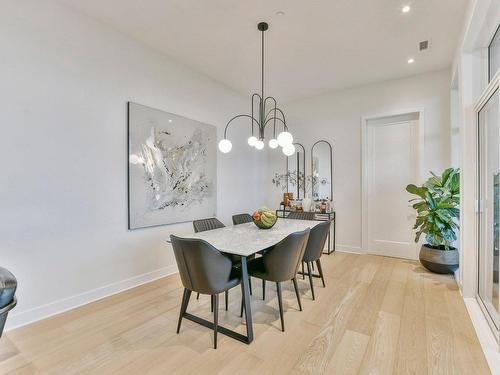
<point x="247" y="239"/>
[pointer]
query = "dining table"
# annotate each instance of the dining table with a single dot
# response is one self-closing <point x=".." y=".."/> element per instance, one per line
<point x="245" y="240"/>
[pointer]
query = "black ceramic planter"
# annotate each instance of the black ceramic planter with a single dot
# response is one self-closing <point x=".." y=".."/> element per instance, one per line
<point x="439" y="260"/>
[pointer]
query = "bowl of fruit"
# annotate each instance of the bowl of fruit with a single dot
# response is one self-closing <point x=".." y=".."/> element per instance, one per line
<point x="264" y="218"/>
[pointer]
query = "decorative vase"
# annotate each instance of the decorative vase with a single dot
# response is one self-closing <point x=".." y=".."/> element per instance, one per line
<point x="306" y="204"/>
<point x="438" y="260"/>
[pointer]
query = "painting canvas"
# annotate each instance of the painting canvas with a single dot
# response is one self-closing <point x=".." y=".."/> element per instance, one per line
<point x="172" y="168"/>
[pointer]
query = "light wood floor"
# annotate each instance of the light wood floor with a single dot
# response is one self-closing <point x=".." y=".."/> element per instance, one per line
<point x="377" y="315"/>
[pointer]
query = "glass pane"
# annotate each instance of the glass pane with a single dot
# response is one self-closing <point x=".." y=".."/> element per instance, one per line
<point x="489" y="190"/>
<point x="494" y="54"/>
<point x="322" y="172"/>
<point x="296" y="173"/>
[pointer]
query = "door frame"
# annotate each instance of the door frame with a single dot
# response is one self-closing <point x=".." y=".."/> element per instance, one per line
<point x="487" y="93"/>
<point x="364" y="165"/>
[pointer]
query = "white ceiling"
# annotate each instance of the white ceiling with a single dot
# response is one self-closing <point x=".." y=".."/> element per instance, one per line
<point x="316" y="46"/>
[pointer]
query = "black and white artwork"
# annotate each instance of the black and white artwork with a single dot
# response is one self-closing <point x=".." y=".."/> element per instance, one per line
<point x="172" y="168"/>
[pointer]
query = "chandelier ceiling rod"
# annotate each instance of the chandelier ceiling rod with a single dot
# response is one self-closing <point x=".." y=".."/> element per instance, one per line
<point x="262" y="27"/>
<point x="285" y="139"/>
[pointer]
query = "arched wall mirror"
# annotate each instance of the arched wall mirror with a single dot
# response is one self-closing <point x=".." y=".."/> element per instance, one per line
<point x="296" y="172"/>
<point x="322" y="170"/>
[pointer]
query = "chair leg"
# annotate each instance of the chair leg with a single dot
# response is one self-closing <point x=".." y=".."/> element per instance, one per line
<point x="310" y="279"/>
<point x="280" y="302"/>
<point x="211" y="303"/>
<point x="297" y="292"/>
<point x="263" y="289"/>
<point x="312" y="264"/>
<point x="197" y="295"/>
<point x="216" y="318"/>
<point x="320" y="270"/>
<point x="185" y="301"/>
<point x="303" y="273"/>
<point x="250" y="284"/>
<point x="226" y="295"/>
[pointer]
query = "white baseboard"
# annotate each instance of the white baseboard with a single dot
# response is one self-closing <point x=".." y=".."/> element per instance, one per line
<point x="349" y="249"/>
<point x="484" y="334"/>
<point x="20" y="318"/>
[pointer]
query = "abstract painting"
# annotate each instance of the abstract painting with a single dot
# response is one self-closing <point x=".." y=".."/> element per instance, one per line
<point x="172" y="168"/>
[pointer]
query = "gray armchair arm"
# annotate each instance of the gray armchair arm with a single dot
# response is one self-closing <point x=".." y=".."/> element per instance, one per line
<point x="9" y="307"/>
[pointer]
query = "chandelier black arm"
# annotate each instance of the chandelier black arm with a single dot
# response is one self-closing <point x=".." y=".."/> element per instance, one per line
<point x="271" y="110"/>
<point x="277" y="118"/>
<point x="256" y="94"/>
<point x="234" y="118"/>
<point x="260" y="100"/>
<point x="274" y="100"/>
<point x="283" y="115"/>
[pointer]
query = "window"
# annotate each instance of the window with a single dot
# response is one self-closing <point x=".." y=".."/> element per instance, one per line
<point x="494" y="55"/>
<point x="489" y="201"/>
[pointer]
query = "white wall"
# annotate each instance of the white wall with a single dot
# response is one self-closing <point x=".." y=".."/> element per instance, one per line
<point x="336" y="117"/>
<point x="65" y="81"/>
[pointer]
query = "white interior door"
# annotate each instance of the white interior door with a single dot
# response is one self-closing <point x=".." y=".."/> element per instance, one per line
<point x="391" y="160"/>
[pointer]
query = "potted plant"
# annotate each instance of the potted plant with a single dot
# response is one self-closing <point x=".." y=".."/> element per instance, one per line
<point x="438" y="212"/>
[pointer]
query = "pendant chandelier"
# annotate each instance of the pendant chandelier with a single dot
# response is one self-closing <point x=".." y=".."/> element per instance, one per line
<point x="264" y="111"/>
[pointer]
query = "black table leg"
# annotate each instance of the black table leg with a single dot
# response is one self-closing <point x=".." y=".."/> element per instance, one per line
<point x="246" y="298"/>
<point x="331" y="248"/>
<point x="334" y="228"/>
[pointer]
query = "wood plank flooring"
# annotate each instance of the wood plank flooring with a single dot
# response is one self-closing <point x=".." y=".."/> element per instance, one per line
<point x="377" y="315"/>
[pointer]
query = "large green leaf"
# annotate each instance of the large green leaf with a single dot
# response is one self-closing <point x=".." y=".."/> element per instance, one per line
<point x="420" y="191"/>
<point x="430" y="200"/>
<point x="445" y="205"/>
<point x="445" y="176"/>
<point x="421" y="206"/>
<point x="455" y="183"/>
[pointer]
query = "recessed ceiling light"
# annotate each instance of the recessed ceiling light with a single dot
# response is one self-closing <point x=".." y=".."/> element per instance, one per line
<point x="405" y="9"/>
<point x="169" y="120"/>
<point x="411" y="61"/>
<point x="280" y="13"/>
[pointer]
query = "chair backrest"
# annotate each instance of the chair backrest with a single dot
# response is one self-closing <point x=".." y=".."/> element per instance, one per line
<point x="207" y="224"/>
<point x="242" y="219"/>
<point x="282" y="261"/>
<point x="316" y="241"/>
<point x="300" y="215"/>
<point x="202" y="267"/>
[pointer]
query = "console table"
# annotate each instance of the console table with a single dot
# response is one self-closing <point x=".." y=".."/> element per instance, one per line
<point x="319" y="216"/>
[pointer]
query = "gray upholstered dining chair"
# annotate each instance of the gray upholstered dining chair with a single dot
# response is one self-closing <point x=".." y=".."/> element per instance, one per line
<point x="207" y="224"/>
<point x="211" y="223"/>
<point x="203" y="269"/>
<point x="8" y="285"/>
<point x="314" y="250"/>
<point x="203" y="225"/>
<point x="280" y="264"/>
<point x="242" y="219"/>
<point x="301" y="215"/>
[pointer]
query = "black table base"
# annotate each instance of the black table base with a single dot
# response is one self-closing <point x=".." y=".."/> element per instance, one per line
<point x="225" y="331"/>
<point x="248" y="311"/>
